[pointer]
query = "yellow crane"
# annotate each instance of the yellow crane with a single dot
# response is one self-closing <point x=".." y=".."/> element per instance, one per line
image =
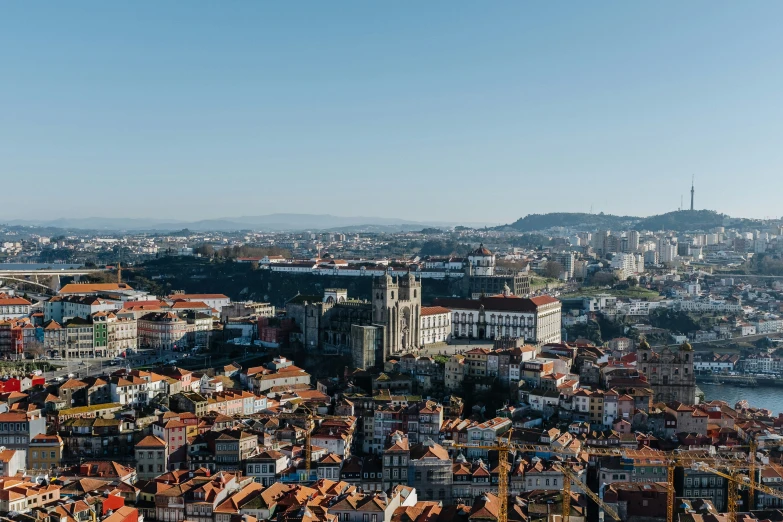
<point x="736" y="480"/>
<point x="672" y="460"/>
<point x="571" y="478"/>
<point x="686" y="460"/>
<point x="651" y="456"/>
<point x="308" y="432"/>
<point x="502" y="447"/>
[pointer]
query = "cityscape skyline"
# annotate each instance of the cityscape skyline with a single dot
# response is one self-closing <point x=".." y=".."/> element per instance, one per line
<point x="199" y="111"/>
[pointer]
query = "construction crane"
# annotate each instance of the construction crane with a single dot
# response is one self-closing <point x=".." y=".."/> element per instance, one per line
<point x="671" y="460"/>
<point x="502" y="447"/>
<point x="652" y="457"/>
<point x="570" y="477"/>
<point x="736" y="480"/>
<point x="686" y="460"/>
<point x="308" y="447"/>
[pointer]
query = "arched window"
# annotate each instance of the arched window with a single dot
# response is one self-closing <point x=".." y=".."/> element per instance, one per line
<point x="392" y="294"/>
<point x="414" y="294"/>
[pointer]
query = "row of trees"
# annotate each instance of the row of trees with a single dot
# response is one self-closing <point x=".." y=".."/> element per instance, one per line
<point x="235" y="252"/>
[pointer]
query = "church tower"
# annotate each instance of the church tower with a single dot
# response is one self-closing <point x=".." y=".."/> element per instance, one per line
<point x="397" y="305"/>
<point x="482" y="262"/>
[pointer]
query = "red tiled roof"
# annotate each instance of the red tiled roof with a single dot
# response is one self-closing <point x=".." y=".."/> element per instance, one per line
<point x="434" y="310"/>
<point x="150" y="441"/>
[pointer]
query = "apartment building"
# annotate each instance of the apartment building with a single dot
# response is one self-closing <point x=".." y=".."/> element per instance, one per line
<point x="45" y="452"/>
<point x="17" y="430"/>
<point x="152" y="455"/>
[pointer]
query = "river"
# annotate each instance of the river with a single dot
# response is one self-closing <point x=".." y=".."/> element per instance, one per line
<point x="770" y="398"/>
<point x="38" y="266"/>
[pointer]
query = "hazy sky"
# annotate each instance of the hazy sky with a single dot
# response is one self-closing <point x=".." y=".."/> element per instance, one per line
<point x="454" y="110"/>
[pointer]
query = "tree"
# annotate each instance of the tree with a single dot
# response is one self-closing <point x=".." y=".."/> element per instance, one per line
<point x="632" y="281"/>
<point x="603" y="278"/>
<point x="36" y="348"/>
<point x="436" y="247"/>
<point x="674" y="321"/>
<point x="204" y="250"/>
<point x="553" y="270"/>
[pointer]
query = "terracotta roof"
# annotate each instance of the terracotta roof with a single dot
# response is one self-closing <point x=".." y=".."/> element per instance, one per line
<point x="8" y="301"/>
<point x="186" y="305"/>
<point x="81" y="288"/>
<point x="198" y="296"/>
<point x="496" y="303"/>
<point x="72" y="383"/>
<point x="434" y="310"/>
<point x="429" y="450"/>
<point x="151" y="441"/>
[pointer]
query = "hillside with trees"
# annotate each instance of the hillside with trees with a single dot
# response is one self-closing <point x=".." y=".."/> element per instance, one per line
<point x="680" y="221"/>
<point x="533" y="222"/>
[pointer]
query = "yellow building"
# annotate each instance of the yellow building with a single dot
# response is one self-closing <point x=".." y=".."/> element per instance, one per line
<point x="45" y="452"/>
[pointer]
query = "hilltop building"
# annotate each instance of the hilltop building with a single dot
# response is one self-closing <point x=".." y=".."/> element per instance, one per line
<point x="482" y="276"/>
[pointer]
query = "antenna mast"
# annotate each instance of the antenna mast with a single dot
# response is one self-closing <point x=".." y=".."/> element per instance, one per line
<point x="693" y="179"/>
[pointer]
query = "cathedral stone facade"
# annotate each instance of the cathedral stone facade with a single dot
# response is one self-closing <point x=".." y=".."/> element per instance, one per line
<point x="397" y="305"/>
<point x="669" y="372"/>
<point x="329" y="324"/>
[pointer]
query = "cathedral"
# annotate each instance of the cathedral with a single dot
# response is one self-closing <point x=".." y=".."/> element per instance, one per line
<point x="669" y="372"/>
<point x="397" y="306"/>
<point x="390" y="322"/>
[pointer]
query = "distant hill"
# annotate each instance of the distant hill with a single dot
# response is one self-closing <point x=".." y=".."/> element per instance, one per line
<point x="270" y="223"/>
<point x="680" y="221"/>
<point x="533" y="222"/>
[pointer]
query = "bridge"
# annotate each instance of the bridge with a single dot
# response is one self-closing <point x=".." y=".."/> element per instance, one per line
<point x="49" y="275"/>
<point x="51" y="272"/>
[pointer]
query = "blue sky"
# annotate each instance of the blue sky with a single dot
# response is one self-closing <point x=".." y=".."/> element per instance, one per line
<point x="453" y="110"/>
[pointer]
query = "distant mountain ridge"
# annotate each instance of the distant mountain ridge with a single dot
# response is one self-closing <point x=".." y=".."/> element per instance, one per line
<point x="267" y="223"/>
<point x="680" y="221"/>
